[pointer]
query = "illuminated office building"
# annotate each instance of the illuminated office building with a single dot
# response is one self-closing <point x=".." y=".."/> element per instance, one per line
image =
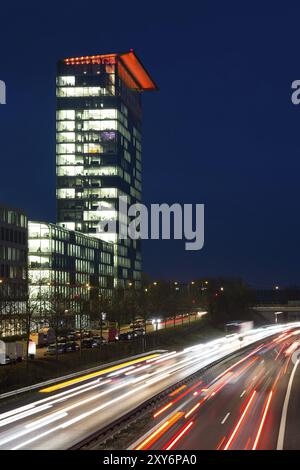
<point x="98" y="149"/>
<point x="13" y="269"/>
<point x="67" y="264"/>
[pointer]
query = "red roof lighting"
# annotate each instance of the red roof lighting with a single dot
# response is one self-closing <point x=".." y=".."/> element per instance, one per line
<point x="129" y="60"/>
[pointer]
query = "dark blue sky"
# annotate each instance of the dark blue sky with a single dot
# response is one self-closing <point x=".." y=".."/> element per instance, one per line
<point x="221" y="131"/>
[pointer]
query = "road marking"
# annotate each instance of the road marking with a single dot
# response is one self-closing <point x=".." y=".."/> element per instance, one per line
<point x="281" y="434"/>
<point x="225" y="418"/>
<point x="242" y="394"/>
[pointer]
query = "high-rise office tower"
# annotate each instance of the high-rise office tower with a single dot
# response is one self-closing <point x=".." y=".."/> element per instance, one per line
<point x="98" y="153"/>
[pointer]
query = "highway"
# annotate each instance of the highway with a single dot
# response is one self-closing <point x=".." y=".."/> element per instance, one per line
<point x="245" y="407"/>
<point x="61" y="415"/>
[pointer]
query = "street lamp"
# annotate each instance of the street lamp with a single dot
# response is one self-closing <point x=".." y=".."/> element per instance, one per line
<point x="102" y="319"/>
<point x="276" y="316"/>
<point x="221" y="289"/>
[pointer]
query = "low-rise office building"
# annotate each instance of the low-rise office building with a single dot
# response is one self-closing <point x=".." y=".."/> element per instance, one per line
<point x="67" y="265"/>
<point x="13" y="269"/>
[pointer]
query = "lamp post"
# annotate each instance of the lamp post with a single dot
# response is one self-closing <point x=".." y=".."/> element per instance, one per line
<point x="276" y="316"/>
<point x="102" y="319"/>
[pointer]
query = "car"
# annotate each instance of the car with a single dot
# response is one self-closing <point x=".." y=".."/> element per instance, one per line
<point x="87" y="343"/>
<point x="71" y="337"/>
<point x="72" y="346"/>
<point x="8" y="360"/>
<point x="139" y="332"/>
<point x="75" y="334"/>
<point x="86" y="334"/>
<point x="53" y="350"/>
<point x="98" y="340"/>
<point x="61" y="339"/>
<point x="137" y="324"/>
<point x="126" y="336"/>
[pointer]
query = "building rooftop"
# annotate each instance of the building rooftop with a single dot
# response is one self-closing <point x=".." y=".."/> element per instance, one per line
<point x="129" y="60"/>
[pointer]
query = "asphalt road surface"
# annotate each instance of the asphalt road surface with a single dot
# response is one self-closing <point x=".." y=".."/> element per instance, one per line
<point x="61" y="415"/>
<point x="253" y="404"/>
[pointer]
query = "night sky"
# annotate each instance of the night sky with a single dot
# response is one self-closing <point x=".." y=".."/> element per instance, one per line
<point x="222" y="129"/>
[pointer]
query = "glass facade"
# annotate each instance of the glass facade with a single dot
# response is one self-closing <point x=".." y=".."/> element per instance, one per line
<point x="68" y="263"/>
<point x="13" y="269"/>
<point x="98" y="149"/>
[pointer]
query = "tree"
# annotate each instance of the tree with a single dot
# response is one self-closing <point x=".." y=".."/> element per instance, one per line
<point x="228" y="299"/>
<point x="58" y="313"/>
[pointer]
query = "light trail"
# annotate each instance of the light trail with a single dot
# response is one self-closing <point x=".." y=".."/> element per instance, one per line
<point x="281" y="433"/>
<point x="59" y="386"/>
<point x="177" y="391"/>
<point x="266" y="408"/>
<point x="164" y="408"/>
<point x="156" y="434"/>
<point x="33" y="409"/>
<point x="240" y="421"/>
<point x="126" y="376"/>
<point x="193" y="409"/>
<point x="178" y="436"/>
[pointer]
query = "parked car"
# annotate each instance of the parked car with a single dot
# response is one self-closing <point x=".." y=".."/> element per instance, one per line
<point x="52" y="350"/>
<point x="98" y="340"/>
<point x="71" y="337"/>
<point x="87" y="343"/>
<point x="86" y="334"/>
<point x="72" y="346"/>
<point x="75" y="334"/>
<point x="126" y="336"/>
<point x="137" y="324"/>
<point x="139" y="332"/>
<point x="8" y="360"/>
<point x="61" y="339"/>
